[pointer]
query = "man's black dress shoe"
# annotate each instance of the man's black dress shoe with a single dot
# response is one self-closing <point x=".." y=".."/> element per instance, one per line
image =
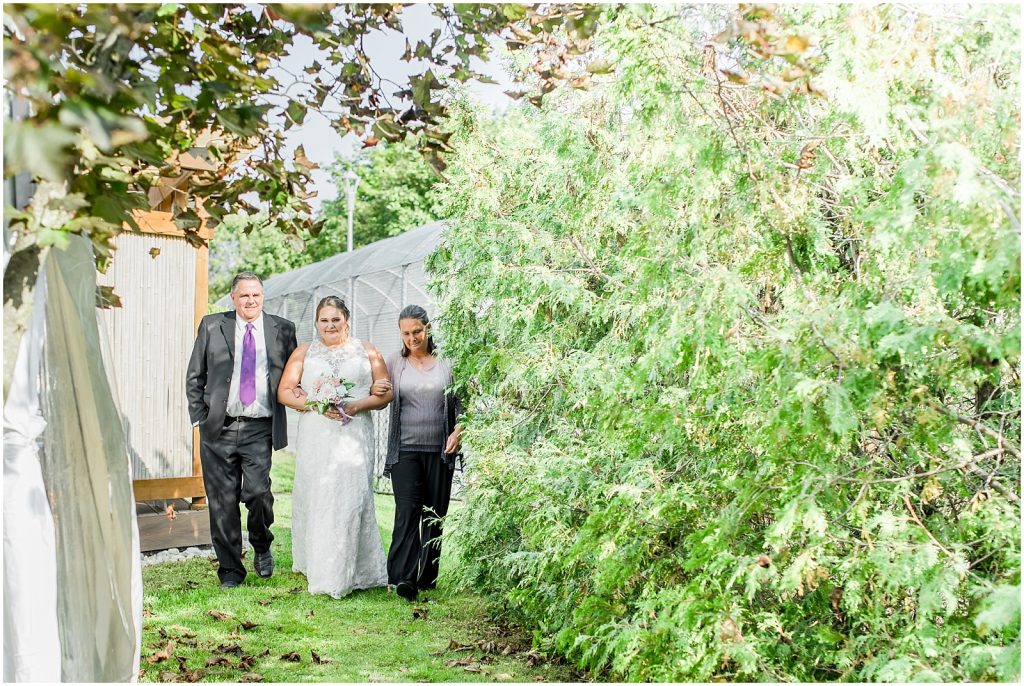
<point x="229" y="584"/>
<point x="406" y="590"/>
<point x="264" y="564"/>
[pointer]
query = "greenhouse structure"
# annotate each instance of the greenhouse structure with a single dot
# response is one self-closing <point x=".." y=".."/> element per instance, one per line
<point x="376" y="282"/>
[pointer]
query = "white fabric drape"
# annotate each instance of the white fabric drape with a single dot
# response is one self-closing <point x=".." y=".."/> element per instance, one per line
<point x="31" y="643"/>
<point x="72" y="569"/>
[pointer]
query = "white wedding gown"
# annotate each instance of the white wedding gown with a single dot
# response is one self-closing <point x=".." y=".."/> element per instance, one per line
<point x="335" y="539"/>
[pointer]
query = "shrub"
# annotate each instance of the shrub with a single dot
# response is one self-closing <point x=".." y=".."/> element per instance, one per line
<point x="740" y="332"/>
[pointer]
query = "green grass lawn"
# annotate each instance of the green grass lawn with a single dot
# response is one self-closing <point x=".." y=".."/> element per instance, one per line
<point x="242" y="634"/>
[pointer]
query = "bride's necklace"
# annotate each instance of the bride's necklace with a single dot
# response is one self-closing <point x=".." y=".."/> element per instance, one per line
<point x="421" y="363"/>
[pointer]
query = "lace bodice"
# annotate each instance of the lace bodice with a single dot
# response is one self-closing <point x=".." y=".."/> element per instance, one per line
<point x="348" y="361"/>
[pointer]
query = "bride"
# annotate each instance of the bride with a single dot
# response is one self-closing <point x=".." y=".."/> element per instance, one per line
<point x="335" y="539"/>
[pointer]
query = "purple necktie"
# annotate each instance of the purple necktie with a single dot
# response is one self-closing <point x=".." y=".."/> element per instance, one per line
<point x="247" y="385"/>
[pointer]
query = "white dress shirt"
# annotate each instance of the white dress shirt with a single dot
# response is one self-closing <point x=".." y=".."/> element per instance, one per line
<point x="261" y="406"/>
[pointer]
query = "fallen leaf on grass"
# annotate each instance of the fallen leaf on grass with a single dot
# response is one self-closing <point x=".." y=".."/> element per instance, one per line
<point x="147" y="613"/>
<point x="251" y="676"/>
<point x="219" y="661"/>
<point x="317" y="660"/>
<point x="192" y="677"/>
<point x="142" y="673"/>
<point x="503" y="677"/>
<point x="182" y="667"/>
<point x="538" y="678"/>
<point x="168" y="677"/>
<point x="265" y="653"/>
<point x="245" y="662"/>
<point x="234" y="635"/>
<point x="217" y="614"/>
<point x="228" y="648"/>
<point x="455" y="646"/>
<point x="264" y="603"/>
<point x="533" y="659"/>
<point x="184" y="631"/>
<point x="419" y="613"/>
<point x="297" y="589"/>
<point x="248" y="625"/>
<point x="161" y="655"/>
<point x="309" y="615"/>
<point x="487" y="646"/>
<point x="291" y="657"/>
<point x="474" y="668"/>
<point x="403" y="669"/>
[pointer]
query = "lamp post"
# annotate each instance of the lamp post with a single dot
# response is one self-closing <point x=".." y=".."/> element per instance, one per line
<point x="350" y="180"/>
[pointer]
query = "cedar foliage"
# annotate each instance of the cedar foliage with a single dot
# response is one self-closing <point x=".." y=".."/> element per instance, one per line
<point x="740" y="330"/>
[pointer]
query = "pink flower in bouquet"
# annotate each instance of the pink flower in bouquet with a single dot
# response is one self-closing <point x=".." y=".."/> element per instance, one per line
<point x="329" y="392"/>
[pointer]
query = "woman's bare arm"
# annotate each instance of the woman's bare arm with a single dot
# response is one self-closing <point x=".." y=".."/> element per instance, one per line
<point x="379" y="370"/>
<point x="289" y="392"/>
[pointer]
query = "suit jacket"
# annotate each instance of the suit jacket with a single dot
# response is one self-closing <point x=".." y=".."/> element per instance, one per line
<point x="209" y="372"/>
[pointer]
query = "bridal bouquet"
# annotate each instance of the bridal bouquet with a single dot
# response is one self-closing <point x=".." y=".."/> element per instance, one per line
<point x="329" y="392"/>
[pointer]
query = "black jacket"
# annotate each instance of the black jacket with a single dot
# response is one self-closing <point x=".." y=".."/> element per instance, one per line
<point x="209" y="372"/>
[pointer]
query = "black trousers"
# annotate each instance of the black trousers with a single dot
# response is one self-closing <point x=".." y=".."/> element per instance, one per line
<point x="423" y="487"/>
<point x="236" y="468"/>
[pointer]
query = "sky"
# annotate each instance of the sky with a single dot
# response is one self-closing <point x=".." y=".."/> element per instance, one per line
<point x="321" y="143"/>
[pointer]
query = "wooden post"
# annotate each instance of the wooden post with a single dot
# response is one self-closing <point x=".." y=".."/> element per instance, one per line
<point x="202" y="305"/>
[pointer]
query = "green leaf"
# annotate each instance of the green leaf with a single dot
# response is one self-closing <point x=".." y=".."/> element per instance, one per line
<point x="513" y="12"/>
<point x="296" y="112"/>
<point x="1000" y="609"/>
<point x="40" y="150"/>
<point x="841" y="416"/>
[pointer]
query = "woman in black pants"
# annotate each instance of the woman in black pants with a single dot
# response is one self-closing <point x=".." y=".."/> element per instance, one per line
<point x="423" y="444"/>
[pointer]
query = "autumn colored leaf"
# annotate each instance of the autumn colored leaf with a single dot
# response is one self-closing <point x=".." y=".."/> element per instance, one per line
<point x="161" y="655"/>
<point x="303" y="161"/>
<point x="317" y="660"/>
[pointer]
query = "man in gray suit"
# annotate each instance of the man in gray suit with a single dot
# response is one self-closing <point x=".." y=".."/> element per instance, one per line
<point x="231" y="385"/>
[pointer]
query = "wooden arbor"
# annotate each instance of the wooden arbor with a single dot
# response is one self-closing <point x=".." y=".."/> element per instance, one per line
<point x="162" y="281"/>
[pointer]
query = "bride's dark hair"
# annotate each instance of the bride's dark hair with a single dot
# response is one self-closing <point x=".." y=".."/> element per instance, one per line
<point x="417" y="312"/>
<point x="335" y="302"/>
